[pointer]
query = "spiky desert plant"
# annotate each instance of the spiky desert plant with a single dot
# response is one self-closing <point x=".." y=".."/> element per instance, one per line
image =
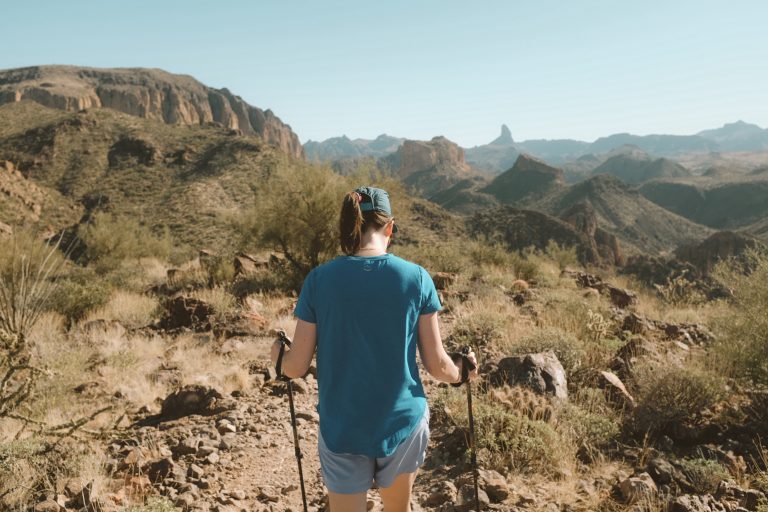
<point x="28" y="270"/>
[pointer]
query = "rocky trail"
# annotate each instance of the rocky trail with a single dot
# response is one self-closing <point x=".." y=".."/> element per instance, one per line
<point x="236" y="453"/>
<point x="207" y="451"/>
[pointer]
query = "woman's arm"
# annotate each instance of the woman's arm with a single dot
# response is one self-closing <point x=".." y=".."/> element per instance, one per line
<point x="298" y="357"/>
<point x="437" y="362"/>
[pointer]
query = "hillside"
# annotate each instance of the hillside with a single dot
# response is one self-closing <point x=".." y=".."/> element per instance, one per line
<point x="723" y="204"/>
<point x="632" y="169"/>
<point x="529" y="177"/>
<point x="148" y="93"/>
<point x="56" y="166"/>
<point x="623" y="212"/>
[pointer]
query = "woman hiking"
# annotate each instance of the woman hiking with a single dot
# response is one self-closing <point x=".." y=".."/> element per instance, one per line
<point x="366" y="312"/>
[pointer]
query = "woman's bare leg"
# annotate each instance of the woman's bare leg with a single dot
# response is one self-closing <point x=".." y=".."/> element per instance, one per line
<point x="397" y="497"/>
<point x="348" y="502"/>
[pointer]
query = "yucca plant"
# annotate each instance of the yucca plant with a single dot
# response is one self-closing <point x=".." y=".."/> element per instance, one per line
<point x="28" y="271"/>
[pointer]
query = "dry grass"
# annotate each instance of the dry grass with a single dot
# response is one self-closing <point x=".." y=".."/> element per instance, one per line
<point x="130" y="309"/>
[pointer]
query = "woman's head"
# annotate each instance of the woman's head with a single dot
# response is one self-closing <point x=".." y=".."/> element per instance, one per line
<point x="363" y="209"/>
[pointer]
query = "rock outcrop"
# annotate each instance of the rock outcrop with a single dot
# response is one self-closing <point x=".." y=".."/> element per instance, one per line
<point x="431" y="166"/>
<point x="148" y="93"/>
<point x="582" y="216"/>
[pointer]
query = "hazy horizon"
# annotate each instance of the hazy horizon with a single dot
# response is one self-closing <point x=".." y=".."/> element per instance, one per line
<point x="547" y="70"/>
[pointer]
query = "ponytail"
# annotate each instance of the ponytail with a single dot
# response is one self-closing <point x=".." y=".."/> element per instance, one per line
<point x="351" y="223"/>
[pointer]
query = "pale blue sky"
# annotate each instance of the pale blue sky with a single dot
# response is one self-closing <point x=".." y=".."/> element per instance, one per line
<point x="416" y="69"/>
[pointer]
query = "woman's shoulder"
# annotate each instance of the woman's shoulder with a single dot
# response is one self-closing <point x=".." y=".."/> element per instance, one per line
<point x="410" y="266"/>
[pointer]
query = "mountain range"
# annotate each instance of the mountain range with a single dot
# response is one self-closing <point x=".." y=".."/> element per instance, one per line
<point x="175" y="153"/>
<point x="499" y="154"/>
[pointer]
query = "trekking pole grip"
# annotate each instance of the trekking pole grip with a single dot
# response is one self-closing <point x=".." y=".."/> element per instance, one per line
<point x="466" y="365"/>
<point x="284" y="341"/>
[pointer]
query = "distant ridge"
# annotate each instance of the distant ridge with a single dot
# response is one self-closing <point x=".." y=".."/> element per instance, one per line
<point x="638" y="168"/>
<point x="148" y="93"/>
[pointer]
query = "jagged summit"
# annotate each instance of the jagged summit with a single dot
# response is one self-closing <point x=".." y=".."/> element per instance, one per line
<point x="148" y="93"/>
<point x="505" y="139"/>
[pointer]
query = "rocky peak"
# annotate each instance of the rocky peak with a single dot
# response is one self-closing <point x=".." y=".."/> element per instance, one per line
<point x="148" y="93"/>
<point x="414" y="155"/>
<point x="505" y="139"/>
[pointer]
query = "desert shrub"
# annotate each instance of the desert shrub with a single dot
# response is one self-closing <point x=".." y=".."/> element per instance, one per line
<point x="487" y="252"/>
<point x="669" y="396"/>
<point x="296" y="213"/>
<point x="564" y="256"/>
<point x="480" y="328"/>
<point x="741" y="349"/>
<point x="592" y="430"/>
<point x="507" y="440"/>
<point x="680" y="291"/>
<point x="31" y="467"/>
<point x="565" y="345"/>
<point x="704" y="474"/>
<point x="109" y="239"/>
<point x="447" y="256"/>
<point x="524" y="267"/>
<point x="78" y="292"/>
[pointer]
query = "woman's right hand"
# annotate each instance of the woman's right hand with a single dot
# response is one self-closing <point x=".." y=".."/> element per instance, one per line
<point x="474" y="367"/>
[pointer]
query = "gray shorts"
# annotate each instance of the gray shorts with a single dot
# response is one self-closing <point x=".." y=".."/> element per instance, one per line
<point x="347" y="473"/>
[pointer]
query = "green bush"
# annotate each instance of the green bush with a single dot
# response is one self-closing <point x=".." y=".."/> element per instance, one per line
<point x="668" y="397"/>
<point x="109" y="239"/>
<point x="704" y="474"/>
<point x="479" y="329"/>
<point x="505" y="439"/>
<point x="592" y="430"/>
<point x="741" y="349"/>
<point x="79" y="292"/>
<point x="565" y="345"/>
<point x="296" y="214"/>
<point x="562" y="255"/>
<point x="490" y="253"/>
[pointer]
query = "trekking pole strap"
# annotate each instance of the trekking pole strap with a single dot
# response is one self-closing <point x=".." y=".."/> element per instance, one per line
<point x="466" y="365"/>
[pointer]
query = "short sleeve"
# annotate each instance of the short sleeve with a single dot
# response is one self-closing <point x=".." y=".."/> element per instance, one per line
<point x="305" y="307"/>
<point x="430" y="302"/>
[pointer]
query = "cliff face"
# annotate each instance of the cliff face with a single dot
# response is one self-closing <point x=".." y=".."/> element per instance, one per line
<point x="148" y="93"/>
<point x="414" y="156"/>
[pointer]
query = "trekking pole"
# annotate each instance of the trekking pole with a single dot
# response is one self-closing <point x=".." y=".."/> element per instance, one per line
<point x="466" y="367"/>
<point x="284" y="340"/>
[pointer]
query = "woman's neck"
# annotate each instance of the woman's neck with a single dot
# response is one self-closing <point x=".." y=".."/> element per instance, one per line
<point x="373" y="244"/>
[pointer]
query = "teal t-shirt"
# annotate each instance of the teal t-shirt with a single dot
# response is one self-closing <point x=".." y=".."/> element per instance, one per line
<point x="367" y="311"/>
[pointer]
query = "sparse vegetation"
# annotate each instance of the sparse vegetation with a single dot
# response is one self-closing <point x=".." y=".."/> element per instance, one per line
<point x="742" y="349"/>
<point x="669" y="397"/>
<point x="110" y="239"/>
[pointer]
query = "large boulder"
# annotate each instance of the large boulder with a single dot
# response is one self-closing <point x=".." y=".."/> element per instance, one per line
<point x="188" y="312"/>
<point x="542" y="372"/>
<point x="194" y="399"/>
<point x="638" y="488"/>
